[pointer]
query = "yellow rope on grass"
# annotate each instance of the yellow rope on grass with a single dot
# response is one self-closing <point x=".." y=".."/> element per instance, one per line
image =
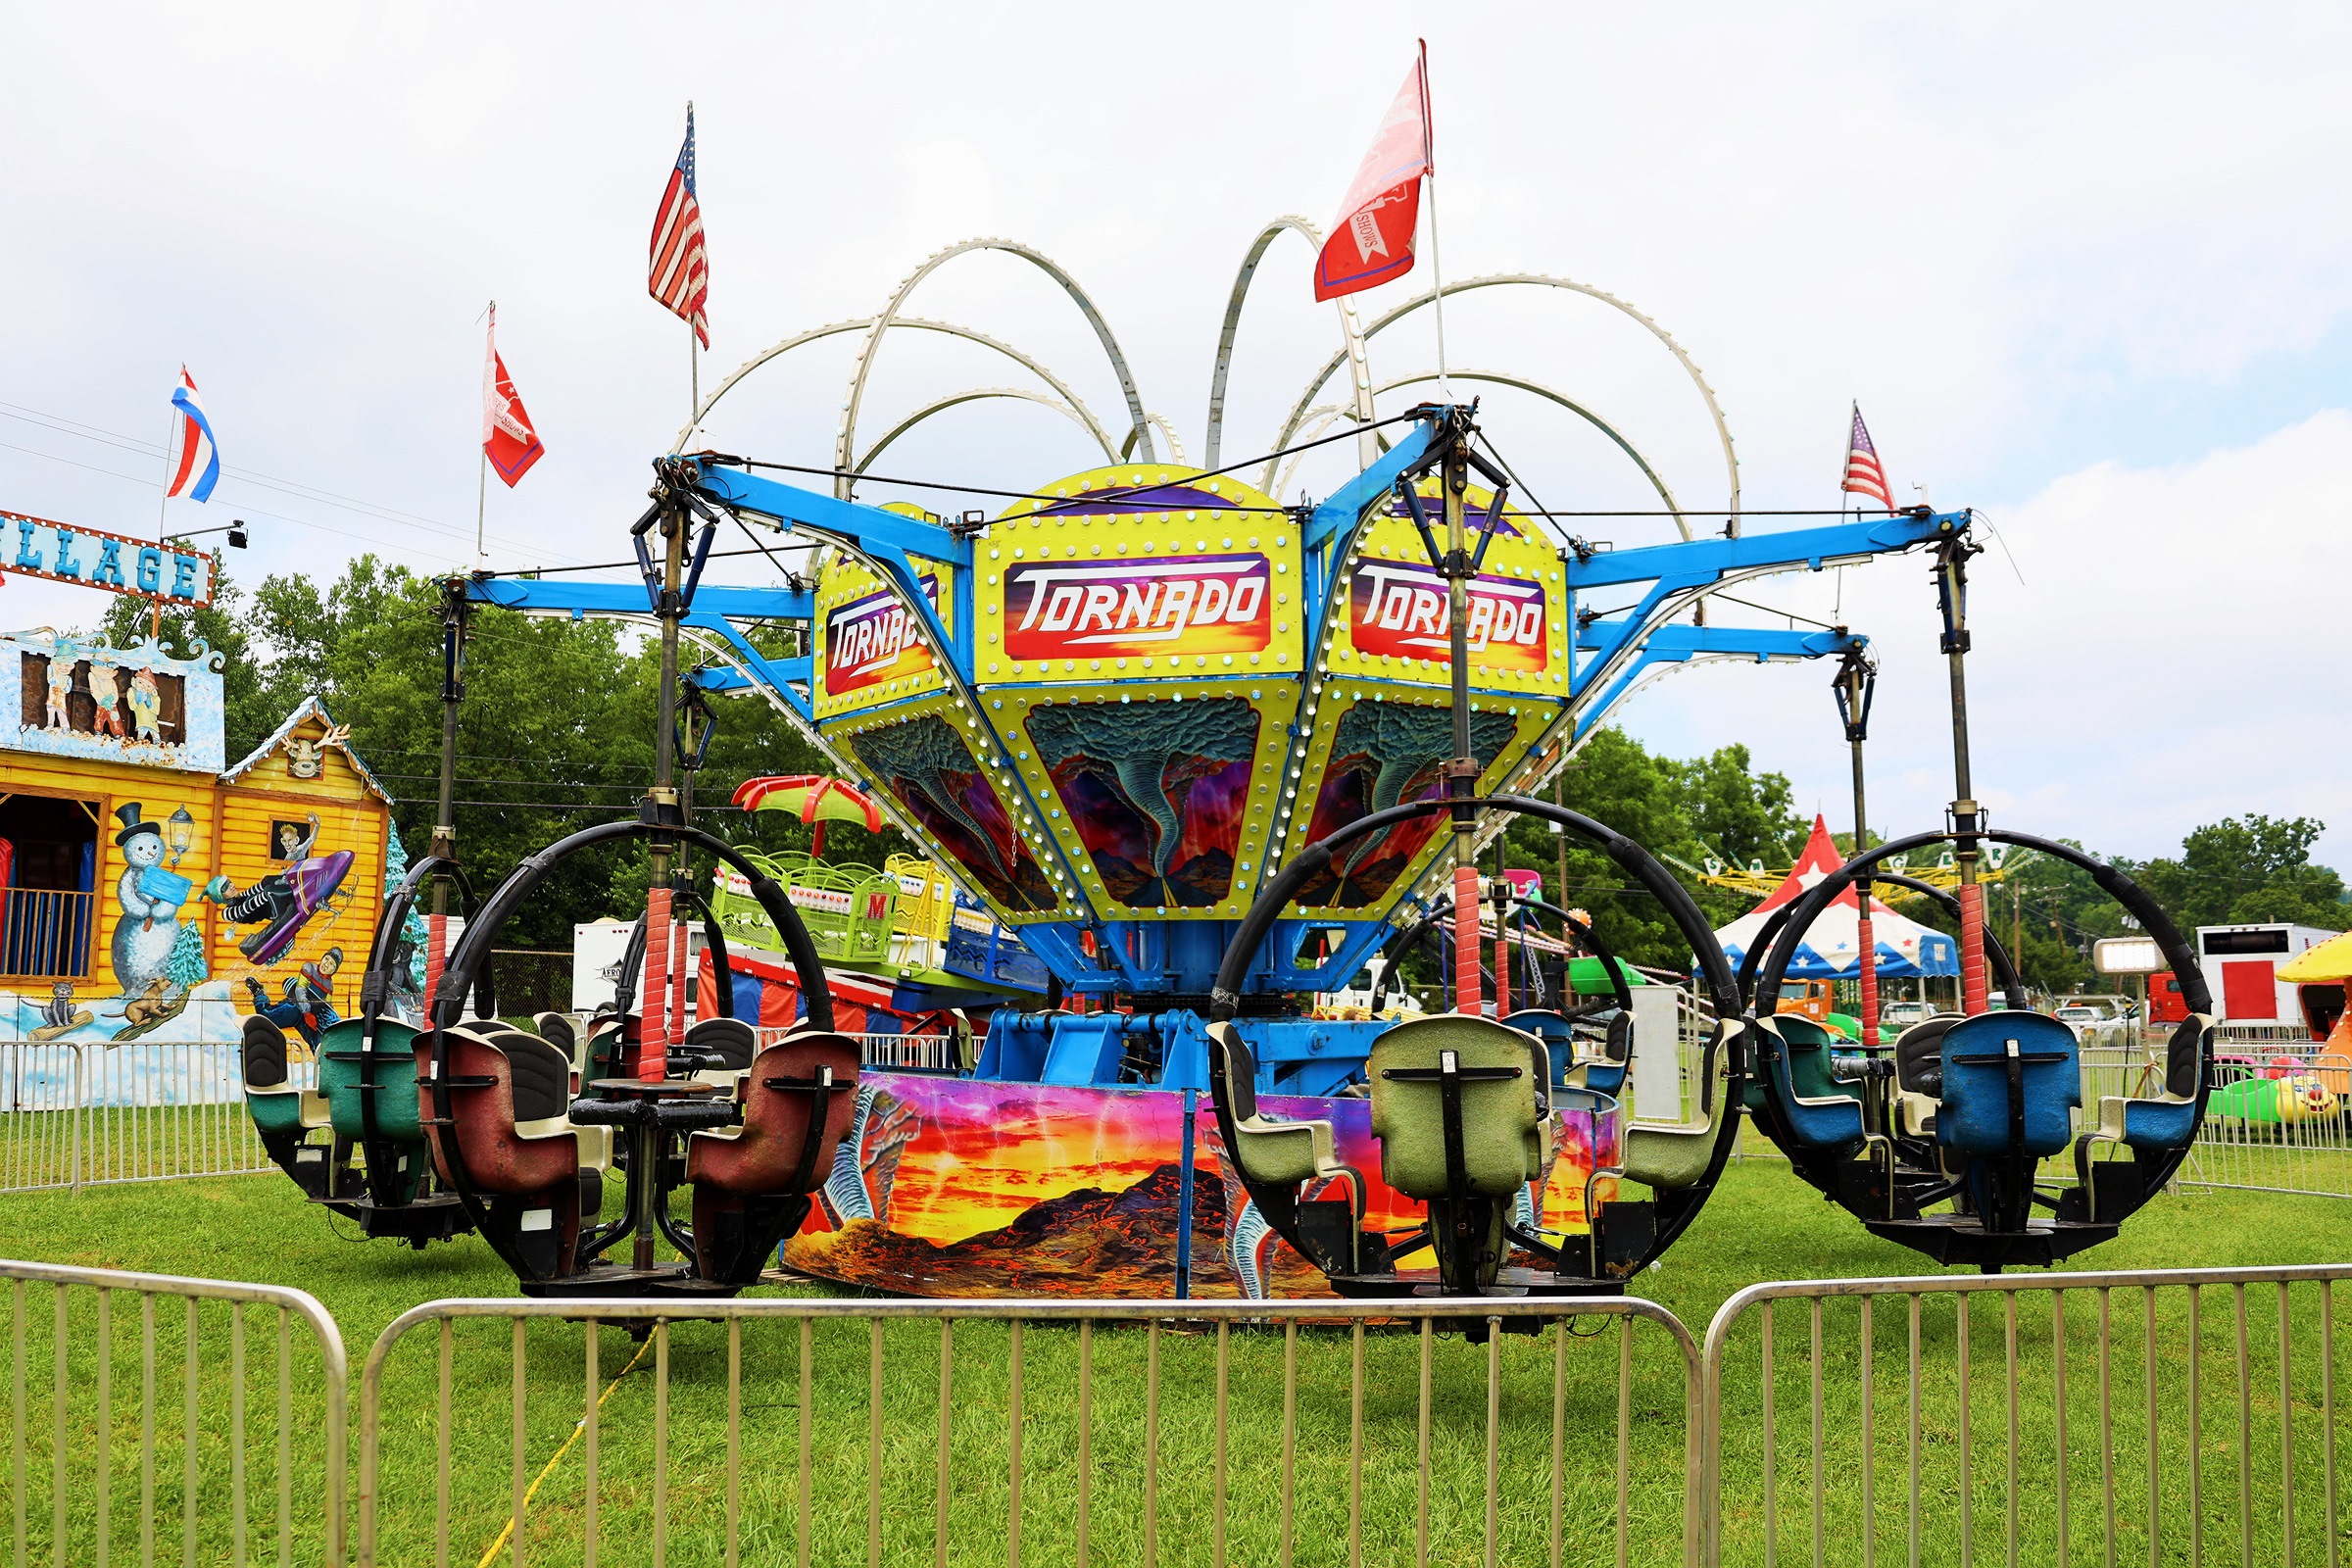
<point x="506" y="1531"/>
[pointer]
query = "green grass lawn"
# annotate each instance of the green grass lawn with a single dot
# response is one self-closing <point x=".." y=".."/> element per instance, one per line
<point x="1761" y="1225"/>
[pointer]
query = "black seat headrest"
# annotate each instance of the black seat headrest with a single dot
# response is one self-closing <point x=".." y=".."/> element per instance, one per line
<point x="1919" y="1055"/>
<point x="2183" y="1059"/>
<point x="542" y="1074"/>
<point x="1618" y="1047"/>
<point x="555" y="1029"/>
<point x="1239" y="1070"/>
<point x="264" y="1054"/>
<point x="732" y="1039"/>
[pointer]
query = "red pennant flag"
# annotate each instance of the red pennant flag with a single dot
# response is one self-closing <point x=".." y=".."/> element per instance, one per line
<point x="507" y="439"/>
<point x="1372" y="240"/>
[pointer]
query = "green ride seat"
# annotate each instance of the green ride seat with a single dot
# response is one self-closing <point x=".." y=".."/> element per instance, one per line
<point x="1506" y="1130"/>
<point x="394" y="1077"/>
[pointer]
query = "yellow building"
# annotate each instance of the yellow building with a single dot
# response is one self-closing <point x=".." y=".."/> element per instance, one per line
<point x="150" y="893"/>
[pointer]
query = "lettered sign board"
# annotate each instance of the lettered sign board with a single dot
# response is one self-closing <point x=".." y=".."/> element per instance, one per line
<point x="62" y="553"/>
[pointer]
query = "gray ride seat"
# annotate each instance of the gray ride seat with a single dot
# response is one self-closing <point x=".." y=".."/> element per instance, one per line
<point x="1668" y="1156"/>
<point x="1279" y="1154"/>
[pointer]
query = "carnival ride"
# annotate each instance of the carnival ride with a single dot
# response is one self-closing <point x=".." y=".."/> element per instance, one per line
<point x="1937" y="1138"/>
<point x="1200" y="754"/>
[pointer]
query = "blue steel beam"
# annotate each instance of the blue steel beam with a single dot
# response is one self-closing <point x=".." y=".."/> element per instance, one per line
<point x="1341" y="508"/>
<point x="1678" y="645"/>
<point x="628" y="599"/>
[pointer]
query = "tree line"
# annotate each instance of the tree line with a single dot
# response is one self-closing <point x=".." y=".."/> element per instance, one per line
<point x="555" y="732"/>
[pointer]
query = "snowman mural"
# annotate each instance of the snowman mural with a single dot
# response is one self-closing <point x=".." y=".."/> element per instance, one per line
<point x="149" y="900"/>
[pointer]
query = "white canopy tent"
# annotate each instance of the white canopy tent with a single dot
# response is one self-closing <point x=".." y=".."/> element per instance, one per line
<point x="1831" y="948"/>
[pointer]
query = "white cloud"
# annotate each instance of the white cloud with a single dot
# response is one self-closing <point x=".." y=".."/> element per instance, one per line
<point x="2174" y="657"/>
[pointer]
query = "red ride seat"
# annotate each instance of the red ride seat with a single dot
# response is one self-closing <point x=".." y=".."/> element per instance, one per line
<point x="509" y="1093"/>
<point x="796" y="1102"/>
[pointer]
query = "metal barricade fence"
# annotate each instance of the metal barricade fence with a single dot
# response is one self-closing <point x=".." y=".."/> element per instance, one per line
<point x="93" y="1439"/>
<point x="861" y="1431"/>
<point x="2278" y="1119"/>
<point x="2146" y="1413"/>
<point x="74" y="1115"/>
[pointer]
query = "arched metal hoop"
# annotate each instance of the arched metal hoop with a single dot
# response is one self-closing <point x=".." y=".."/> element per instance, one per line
<point x="846" y="437"/>
<point x="1351" y="333"/>
<point x="1997" y="956"/>
<point x="912" y="324"/>
<point x="1723" y="430"/>
<point x="981" y="394"/>
<point x="1635" y="861"/>
<point x="1520" y="383"/>
<point x="473" y="947"/>
<point x="2114" y="884"/>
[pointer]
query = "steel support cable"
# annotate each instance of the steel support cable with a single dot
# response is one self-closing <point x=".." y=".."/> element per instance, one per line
<point x="1092" y="497"/>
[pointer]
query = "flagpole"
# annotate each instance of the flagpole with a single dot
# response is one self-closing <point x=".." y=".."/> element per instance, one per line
<point x="482" y="480"/>
<point x="1437" y="279"/>
<point x="154" y="625"/>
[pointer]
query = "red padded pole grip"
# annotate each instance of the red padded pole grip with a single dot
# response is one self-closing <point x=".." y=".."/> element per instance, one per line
<point x="652" y="1030"/>
<point x="436" y="952"/>
<point x="1972" y="949"/>
<point x="1468" y="995"/>
<point x="680" y="977"/>
<point x="1870" y="978"/>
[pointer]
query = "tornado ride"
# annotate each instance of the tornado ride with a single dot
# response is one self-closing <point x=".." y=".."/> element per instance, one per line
<point x="1201" y="755"/>
<point x="1937" y="1138"/>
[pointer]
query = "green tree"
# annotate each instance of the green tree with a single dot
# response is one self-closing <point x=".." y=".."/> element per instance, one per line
<point x="2248" y="870"/>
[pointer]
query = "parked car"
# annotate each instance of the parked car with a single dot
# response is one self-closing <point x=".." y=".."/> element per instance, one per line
<point x="2094" y="1025"/>
<point x="1903" y="1014"/>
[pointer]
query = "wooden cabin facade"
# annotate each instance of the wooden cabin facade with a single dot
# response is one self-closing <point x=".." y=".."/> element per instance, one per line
<point x="151" y="893"/>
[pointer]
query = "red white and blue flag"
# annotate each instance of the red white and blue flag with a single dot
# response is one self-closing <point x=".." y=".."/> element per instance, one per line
<point x="1864" y="476"/>
<point x="198" y="468"/>
<point x="1372" y="240"/>
<point x="509" y="439"/>
<point x="679" y="270"/>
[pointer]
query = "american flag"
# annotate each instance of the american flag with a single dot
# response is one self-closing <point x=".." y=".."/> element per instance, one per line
<point x="678" y="269"/>
<point x="1863" y="476"/>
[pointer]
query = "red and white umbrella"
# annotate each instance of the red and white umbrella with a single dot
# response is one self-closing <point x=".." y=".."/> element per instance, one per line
<point x="814" y="798"/>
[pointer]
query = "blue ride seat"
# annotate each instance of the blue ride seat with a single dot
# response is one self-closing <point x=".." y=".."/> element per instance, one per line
<point x="1795" y="1053"/>
<point x="2011" y="1081"/>
<point x="2160" y="1122"/>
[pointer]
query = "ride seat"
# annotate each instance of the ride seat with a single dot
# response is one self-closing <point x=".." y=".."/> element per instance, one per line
<point x="2011" y="1081"/>
<point x="561" y="1030"/>
<point x="1506" y="1132"/>
<point x="277" y="1105"/>
<point x="1919" y="1070"/>
<point x="798" y="1098"/>
<point x="394" y="1078"/>
<point x="734" y="1042"/>
<point x="2165" y="1121"/>
<point x="1277" y="1154"/>
<point x="510" y="1093"/>
<point x="1797" y="1058"/>
<point x="1669" y="1155"/>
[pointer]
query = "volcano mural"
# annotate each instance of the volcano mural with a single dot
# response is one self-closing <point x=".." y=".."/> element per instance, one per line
<point x="1157" y="790"/>
<point x="1383" y="754"/>
<point x="972" y="1188"/>
<point x="929" y="767"/>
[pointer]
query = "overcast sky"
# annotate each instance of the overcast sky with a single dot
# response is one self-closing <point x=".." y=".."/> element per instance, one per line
<point x="2086" y="268"/>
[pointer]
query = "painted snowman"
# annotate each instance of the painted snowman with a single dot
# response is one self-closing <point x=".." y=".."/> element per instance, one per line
<point x="148" y="922"/>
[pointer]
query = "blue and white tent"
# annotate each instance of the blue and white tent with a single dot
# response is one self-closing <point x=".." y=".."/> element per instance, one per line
<point x="1831" y="948"/>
